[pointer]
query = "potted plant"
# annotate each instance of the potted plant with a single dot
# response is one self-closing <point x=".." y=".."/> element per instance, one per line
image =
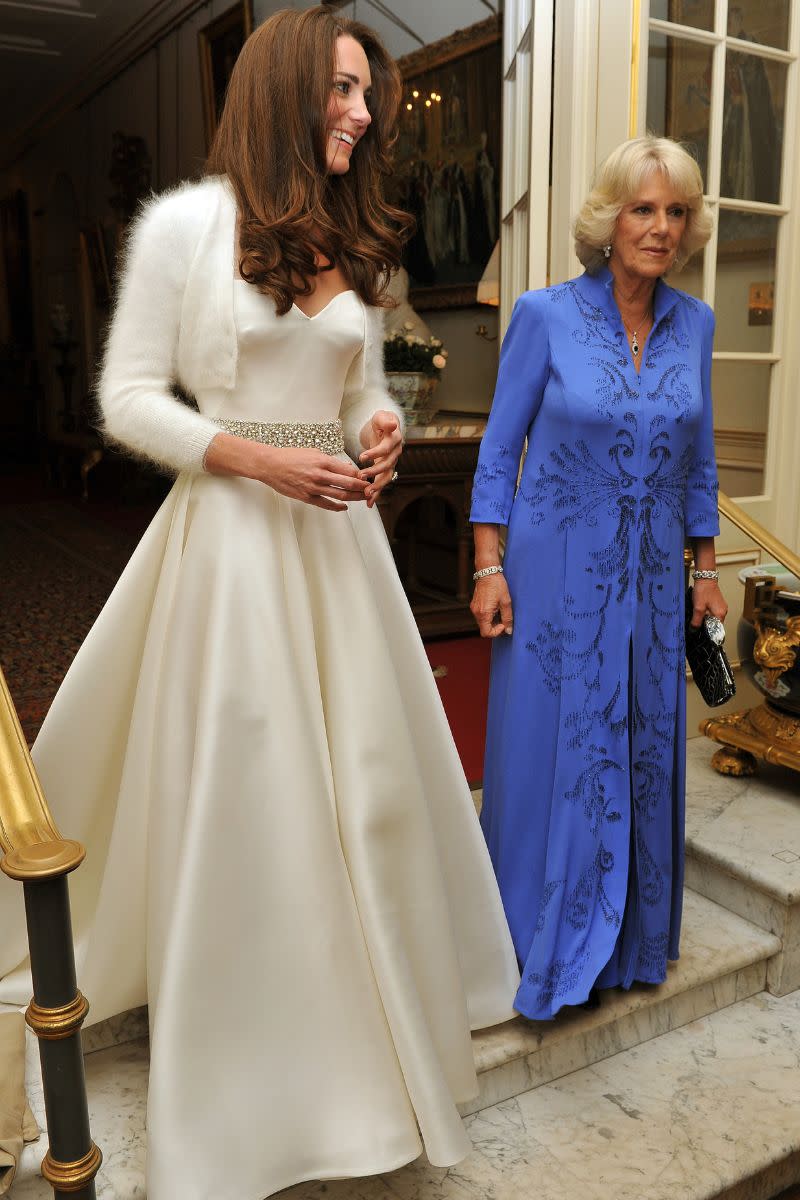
<point x="413" y="366"/>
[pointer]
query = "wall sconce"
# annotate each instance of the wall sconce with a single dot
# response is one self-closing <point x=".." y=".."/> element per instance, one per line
<point x="489" y="289"/>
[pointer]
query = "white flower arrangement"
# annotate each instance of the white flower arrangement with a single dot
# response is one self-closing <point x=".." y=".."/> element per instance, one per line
<point x="405" y="350"/>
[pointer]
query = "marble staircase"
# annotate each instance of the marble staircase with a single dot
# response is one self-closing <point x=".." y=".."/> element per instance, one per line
<point x="687" y="1091"/>
<point x="724" y="959"/>
<point x="743" y="851"/>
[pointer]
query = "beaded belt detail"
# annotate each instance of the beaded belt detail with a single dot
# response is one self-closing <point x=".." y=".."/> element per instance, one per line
<point x="326" y="436"/>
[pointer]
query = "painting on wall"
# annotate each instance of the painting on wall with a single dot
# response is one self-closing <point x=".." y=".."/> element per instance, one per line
<point x="220" y="42"/>
<point x="447" y="163"/>
<point x="93" y="254"/>
<point x="682" y="109"/>
<point x="15" y="248"/>
<point x="753" y="105"/>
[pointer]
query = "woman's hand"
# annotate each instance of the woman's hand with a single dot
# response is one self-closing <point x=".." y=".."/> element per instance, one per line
<point x="491" y="606"/>
<point x="313" y="477"/>
<point x="707" y="598"/>
<point x="384" y="445"/>
<point x="301" y="474"/>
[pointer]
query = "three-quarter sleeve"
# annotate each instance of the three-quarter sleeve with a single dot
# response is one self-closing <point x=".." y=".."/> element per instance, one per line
<point x="521" y="379"/>
<point x="365" y="390"/>
<point x="702" y="486"/>
<point x="139" y="367"/>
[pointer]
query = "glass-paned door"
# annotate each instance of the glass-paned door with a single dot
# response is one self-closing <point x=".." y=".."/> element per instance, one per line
<point x="720" y="77"/>
<point x="527" y="76"/>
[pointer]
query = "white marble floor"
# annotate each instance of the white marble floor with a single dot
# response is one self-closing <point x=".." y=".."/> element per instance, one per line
<point x="116" y="1080"/>
<point x="707" y="1111"/>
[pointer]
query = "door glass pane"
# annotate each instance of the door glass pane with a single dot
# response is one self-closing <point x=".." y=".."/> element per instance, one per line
<point x="522" y="125"/>
<point x="764" y="21"/>
<point x="522" y="231"/>
<point x="679" y="92"/>
<point x="697" y="13"/>
<point x="752" y="129"/>
<point x="690" y="279"/>
<point x="745" y="278"/>
<point x="741" y="409"/>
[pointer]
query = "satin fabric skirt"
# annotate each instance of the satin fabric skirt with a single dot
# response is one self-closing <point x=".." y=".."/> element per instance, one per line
<point x="283" y="856"/>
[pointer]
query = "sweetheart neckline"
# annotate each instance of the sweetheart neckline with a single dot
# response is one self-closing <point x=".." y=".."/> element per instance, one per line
<point x="297" y="308"/>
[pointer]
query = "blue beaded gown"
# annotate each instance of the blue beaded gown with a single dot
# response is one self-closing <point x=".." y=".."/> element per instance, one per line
<point x="585" y="758"/>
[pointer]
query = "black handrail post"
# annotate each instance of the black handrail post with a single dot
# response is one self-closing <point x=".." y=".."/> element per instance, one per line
<point x="33" y="851"/>
<point x="56" y="1014"/>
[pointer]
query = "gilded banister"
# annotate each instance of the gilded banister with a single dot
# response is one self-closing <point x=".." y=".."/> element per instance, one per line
<point x="31" y="844"/>
<point x="761" y="536"/>
<point x="33" y="851"/>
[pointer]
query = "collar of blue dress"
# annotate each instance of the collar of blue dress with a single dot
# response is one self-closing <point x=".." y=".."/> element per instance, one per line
<point x="599" y="290"/>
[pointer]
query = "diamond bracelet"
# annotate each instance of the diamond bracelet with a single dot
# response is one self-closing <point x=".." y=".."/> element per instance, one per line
<point x="484" y="571"/>
<point x="705" y="574"/>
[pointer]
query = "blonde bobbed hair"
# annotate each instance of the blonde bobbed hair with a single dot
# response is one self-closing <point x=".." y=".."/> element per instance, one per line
<point x="617" y="183"/>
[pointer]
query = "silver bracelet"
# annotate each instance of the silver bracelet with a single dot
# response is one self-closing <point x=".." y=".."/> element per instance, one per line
<point x="705" y="574"/>
<point x="484" y="571"/>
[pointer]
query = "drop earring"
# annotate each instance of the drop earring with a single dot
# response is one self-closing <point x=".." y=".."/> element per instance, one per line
<point x="607" y="251"/>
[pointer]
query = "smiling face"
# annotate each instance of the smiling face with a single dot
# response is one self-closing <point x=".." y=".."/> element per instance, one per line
<point x="649" y="229"/>
<point x="348" y="117"/>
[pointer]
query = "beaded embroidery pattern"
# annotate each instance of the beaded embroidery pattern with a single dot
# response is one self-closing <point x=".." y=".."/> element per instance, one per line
<point x="619" y="467"/>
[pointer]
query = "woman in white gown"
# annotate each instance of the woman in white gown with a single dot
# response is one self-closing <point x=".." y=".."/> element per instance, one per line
<point x="283" y="857"/>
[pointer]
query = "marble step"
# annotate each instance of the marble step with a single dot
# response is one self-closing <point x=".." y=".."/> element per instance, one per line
<point x="706" y="1112"/>
<point x="723" y="959"/>
<point x="743" y="850"/>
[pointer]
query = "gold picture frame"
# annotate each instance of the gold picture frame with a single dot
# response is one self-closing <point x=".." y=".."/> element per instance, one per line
<point x="219" y="44"/>
<point x="447" y="162"/>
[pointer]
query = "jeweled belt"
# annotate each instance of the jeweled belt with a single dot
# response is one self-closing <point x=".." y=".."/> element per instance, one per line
<point x="326" y="436"/>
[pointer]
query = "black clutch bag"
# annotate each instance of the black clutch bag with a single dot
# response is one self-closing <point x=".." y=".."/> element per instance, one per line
<point x="708" y="661"/>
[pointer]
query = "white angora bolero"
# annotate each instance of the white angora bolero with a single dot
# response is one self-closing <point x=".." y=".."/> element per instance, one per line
<point x="174" y="323"/>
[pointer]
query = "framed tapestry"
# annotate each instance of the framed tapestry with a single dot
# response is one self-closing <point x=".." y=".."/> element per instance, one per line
<point x="16" y="251"/>
<point x="220" y="42"/>
<point x="447" y="162"/>
<point x="93" y="255"/>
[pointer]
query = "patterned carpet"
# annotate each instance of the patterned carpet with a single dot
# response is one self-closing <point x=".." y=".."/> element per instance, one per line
<point x="58" y="564"/>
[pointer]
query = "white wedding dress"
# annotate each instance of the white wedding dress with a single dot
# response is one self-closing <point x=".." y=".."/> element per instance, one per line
<point x="283" y="856"/>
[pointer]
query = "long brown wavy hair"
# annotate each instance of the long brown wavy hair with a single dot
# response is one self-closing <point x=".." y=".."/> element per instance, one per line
<point x="271" y="143"/>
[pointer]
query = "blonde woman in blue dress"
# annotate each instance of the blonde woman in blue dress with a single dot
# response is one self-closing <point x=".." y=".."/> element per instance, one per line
<point x="284" y="860"/>
<point x="608" y="377"/>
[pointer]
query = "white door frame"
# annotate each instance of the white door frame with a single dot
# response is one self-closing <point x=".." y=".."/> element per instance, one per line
<point x="599" y="100"/>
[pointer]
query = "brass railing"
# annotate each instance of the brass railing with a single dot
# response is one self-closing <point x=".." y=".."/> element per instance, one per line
<point x="34" y="852"/>
<point x="757" y="533"/>
<point x="769" y="731"/>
